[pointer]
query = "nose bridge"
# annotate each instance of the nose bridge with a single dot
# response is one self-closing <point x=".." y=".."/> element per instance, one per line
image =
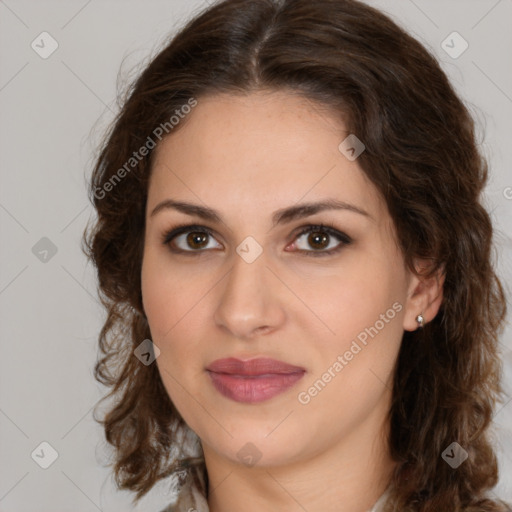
<point x="248" y="300"/>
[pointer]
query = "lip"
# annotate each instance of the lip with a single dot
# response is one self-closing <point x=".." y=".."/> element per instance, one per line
<point x="253" y="381"/>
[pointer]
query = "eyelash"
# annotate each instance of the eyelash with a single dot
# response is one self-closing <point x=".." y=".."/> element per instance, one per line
<point x="345" y="240"/>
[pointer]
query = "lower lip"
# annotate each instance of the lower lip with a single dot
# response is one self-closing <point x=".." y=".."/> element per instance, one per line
<point x="253" y="389"/>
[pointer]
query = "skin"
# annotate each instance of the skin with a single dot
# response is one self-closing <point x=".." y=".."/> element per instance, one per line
<point x="246" y="157"/>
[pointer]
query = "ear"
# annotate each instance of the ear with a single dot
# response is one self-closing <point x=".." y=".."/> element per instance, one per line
<point x="424" y="296"/>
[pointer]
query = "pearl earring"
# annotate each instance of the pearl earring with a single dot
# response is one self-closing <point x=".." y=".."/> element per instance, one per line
<point x="420" y="320"/>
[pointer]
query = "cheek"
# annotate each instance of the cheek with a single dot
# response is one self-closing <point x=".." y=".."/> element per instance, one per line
<point x="352" y="368"/>
<point x="363" y="306"/>
<point x="353" y="296"/>
<point x="174" y="303"/>
<point x="168" y="304"/>
<point x="170" y="297"/>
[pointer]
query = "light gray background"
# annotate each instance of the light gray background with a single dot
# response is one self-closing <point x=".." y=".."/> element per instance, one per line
<point x="54" y="111"/>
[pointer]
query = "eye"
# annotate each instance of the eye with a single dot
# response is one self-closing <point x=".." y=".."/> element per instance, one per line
<point x="193" y="239"/>
<point x="320" y="237"/>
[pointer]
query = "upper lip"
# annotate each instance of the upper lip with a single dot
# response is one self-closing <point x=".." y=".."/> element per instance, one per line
<point x="258" y="366"/>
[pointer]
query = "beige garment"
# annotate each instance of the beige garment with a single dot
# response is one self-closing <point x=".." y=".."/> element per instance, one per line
<point x="191" y="496"/>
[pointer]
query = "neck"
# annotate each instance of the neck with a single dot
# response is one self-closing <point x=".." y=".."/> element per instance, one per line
<point x="349" y="477"/>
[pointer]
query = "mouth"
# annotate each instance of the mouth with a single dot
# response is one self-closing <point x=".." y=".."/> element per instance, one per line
<point x="253" y="381"/>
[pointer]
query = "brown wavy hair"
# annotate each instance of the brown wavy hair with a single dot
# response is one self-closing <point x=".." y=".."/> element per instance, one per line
<point x="421" y="154"/>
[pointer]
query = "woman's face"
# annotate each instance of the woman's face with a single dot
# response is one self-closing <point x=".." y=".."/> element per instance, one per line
<point x="256" y="288"/>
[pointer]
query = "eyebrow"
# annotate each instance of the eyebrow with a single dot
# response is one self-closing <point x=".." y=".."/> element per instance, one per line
<point x="281" y="216"/>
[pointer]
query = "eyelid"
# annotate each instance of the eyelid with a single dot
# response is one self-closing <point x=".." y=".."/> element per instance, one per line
<point x="169" y="235"/>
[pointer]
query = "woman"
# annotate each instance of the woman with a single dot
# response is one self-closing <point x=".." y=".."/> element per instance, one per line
<point x="296" y="265"/>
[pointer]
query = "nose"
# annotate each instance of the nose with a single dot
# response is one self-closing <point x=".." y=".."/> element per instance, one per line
<point x="251" y="300"/>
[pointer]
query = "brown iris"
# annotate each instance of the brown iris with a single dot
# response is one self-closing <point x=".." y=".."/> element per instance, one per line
<point x="197" y="240"/>
<point x="318" y="240"/>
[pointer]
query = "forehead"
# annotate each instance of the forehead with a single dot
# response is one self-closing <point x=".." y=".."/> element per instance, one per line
<point x="262" y="149"/>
